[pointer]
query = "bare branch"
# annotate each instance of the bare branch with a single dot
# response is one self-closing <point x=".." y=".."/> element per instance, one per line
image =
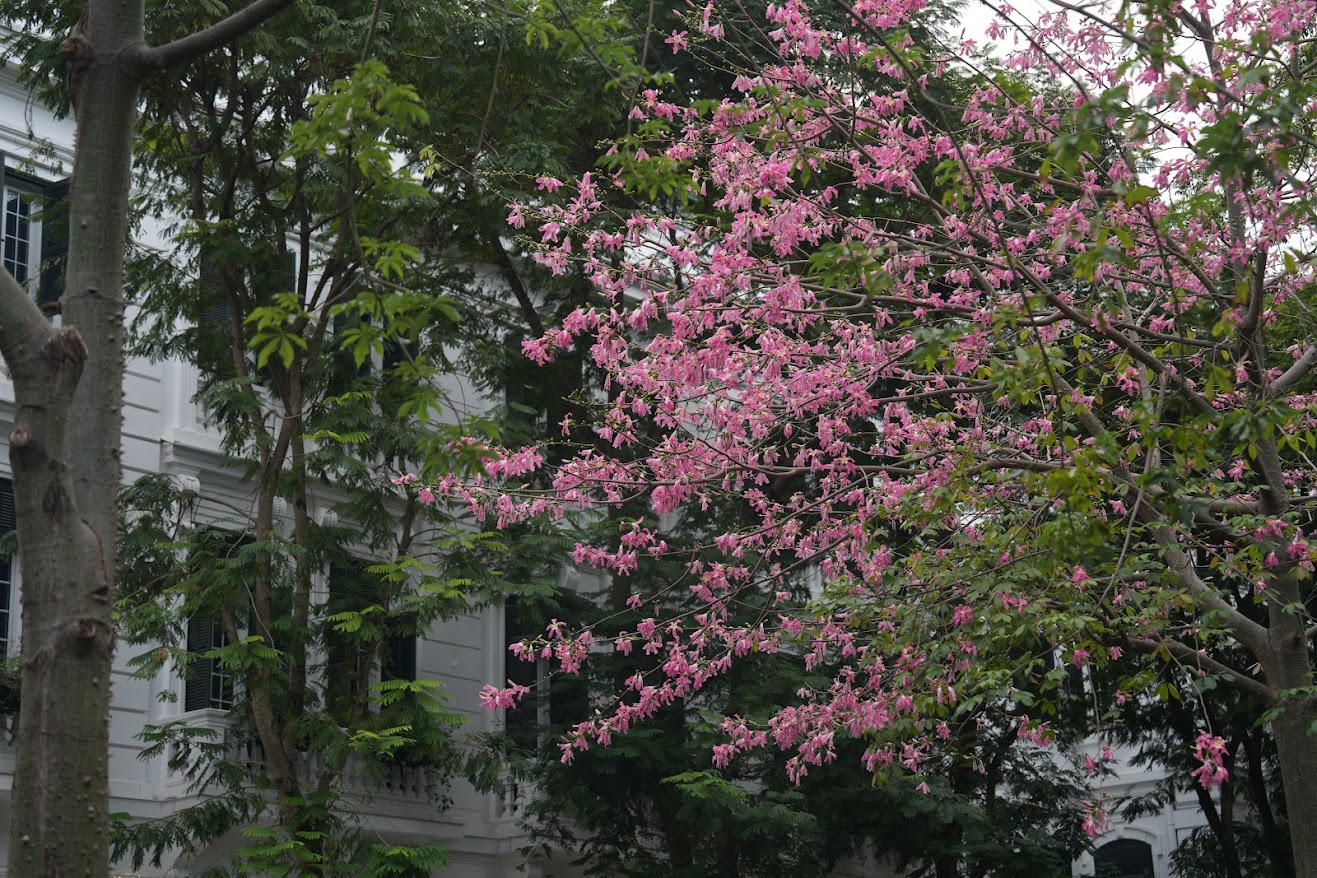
<point x="1231" y="507"/>
<point x="1250" y="634"/>
<point x="1021" y="463"/>
<point x="1187" y="655"/>
<point x="195" y="45"/>
<point x="1302" y="366"/>
<point x="23" y="328"/>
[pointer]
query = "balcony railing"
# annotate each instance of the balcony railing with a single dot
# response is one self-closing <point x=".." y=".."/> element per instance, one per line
<point x="515" y="797"/>
<point x="371" y="781"/>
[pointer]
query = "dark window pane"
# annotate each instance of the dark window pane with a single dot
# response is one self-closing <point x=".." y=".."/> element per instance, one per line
<point x="1124" y="858"/>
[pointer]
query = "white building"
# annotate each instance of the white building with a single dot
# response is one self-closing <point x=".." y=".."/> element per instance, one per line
<point x="1139" y="848"/>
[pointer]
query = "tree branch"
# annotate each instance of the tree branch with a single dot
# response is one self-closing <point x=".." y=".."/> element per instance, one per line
<point x="23" y="328"/>
<point x="195" y="45"/>
<point x="1187" y="655"/>
<point x="524" y="302"/>
<point x="1291" y="376"/>
<point x="1249" y="633"/>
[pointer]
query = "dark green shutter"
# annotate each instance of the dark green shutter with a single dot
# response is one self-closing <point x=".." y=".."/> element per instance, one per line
<point x="8" y="514"/>
<point x="200" y="637"/>
<point x="523" y="721"/>
<point x="400" y="662"/>
<point x="343" y="652"/>
<point x="54" y="242"/>
<point x="210" y="289"/>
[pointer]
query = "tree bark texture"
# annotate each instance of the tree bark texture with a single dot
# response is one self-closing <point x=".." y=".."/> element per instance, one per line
<point x="65" y="454"/>
<point x="1289" y="668"/>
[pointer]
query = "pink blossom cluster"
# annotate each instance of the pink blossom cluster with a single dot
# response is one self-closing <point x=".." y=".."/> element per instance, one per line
<point x="916" y="351"/>
<point x="1211" y="752"/>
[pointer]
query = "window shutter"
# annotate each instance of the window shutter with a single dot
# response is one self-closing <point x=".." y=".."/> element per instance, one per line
<point x="210" y="289"/>
<point x="54" y="242"/>
<point x="200" y="636"/>
<point x="516" y="629"/>
<point x="400" y="663"/>
<point x="8" y="514"/>
<point x="8" y="523"/>
<point x="569" y="701"/>
<point x="523" y="721"/>
<point x="343" y="652"/>
<point x="395" y="354"/>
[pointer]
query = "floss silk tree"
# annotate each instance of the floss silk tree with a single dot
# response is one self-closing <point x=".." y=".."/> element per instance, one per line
<point x="1055" y="341"/>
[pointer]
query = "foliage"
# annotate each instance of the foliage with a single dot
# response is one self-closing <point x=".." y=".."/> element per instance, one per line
<point x="619" y="811"/>
<point x="1022" y="337"/>
<point x="328" y="263"/>
<point x="1247" y="831"/>
<point x="350" y="732"/>
<point x="653" y="803"/>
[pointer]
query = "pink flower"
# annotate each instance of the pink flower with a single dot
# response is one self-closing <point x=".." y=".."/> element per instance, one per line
<point x="493" y="698"/>
<point x="1095" y="817"/>
<point x="1211" y="752"/>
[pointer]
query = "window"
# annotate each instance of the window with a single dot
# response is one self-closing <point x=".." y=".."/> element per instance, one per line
<point x="19" y="228"/>
<point x="1124" y="858"/>
<point x="258" y="273"/>
<point x="523" y="721"/>
<point x="210" y="686"/>
<point x="399" y="662"/>
<point x="351" y="590"/>
<point x="1073" y="685"/>
<point x="34" y="232"/>
<point x="538" y="398"/>
<point x="555" y="700"/>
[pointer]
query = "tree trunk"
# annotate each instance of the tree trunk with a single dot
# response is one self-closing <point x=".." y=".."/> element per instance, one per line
<point x="1298" y="770"/>
<point x="1288" y="668"/>
<point x="65" y="455"/>
<point x="65" y="448"/>
<point x="60" y="822"/>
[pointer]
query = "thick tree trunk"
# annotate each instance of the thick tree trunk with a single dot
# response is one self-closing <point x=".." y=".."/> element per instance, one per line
<point x="65" y="447"/>
<point x="1287" y="664"/>
<point x="60" y="822"/>
<point x="1298" y="770"/>
<point x="65" y="454"/>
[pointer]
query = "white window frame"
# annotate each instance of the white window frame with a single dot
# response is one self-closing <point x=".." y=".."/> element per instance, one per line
<point x="12" y="631"/>
<point x="34" y="196"/>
